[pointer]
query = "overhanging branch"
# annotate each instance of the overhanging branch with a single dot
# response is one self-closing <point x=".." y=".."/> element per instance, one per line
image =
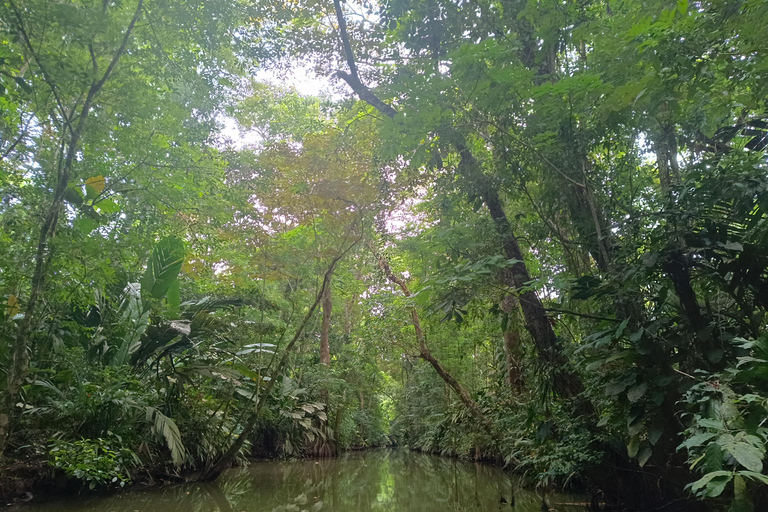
<point x="353" y="77"/>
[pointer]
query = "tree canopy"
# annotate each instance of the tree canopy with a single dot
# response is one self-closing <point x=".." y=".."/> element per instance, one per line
<point x="531" y="231"/>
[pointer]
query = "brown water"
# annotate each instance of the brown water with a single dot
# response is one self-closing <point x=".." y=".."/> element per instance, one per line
<point x="378" y="480"/>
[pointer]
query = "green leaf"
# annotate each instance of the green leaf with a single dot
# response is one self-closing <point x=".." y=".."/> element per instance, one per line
<point x="654" y="433"/>
<point x="759" y="477"/>
<point x="713" y="458"/>
<point x="644" y="454"/>
<point x="747" y="455"/>
<point x="636" y="392"/>
<point x="85" y="225"/>
<point x="698" y="440"/>
<point x="24" y="85"/>
<point x="173" y="296"/>
<point x="163" y="267"/>
<point x="741" y="499"/>
<point x="710" y="423"/>
<point x="712" y="484"/>
<point x="107" y="206"/>
<point x="165" y="426"/>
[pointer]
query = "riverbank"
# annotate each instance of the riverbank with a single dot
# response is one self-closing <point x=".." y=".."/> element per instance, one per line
<point x="22" y="481"/>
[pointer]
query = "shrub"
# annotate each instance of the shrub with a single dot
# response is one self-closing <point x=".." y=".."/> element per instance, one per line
<point x="98" y="462"/>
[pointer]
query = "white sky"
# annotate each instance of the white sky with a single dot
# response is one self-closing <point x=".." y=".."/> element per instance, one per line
<point x="300" y="78"/>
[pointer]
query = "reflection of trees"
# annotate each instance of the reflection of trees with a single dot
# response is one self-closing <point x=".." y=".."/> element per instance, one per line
<point x="381" y="480"/>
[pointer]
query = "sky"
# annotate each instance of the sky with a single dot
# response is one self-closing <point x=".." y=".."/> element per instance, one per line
<point x="300" y="78"/>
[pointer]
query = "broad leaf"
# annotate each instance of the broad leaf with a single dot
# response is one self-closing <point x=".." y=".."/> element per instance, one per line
<point x="163" y="268"/>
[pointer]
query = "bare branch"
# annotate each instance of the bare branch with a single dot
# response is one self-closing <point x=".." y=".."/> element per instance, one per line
<point x="353" y="77"/>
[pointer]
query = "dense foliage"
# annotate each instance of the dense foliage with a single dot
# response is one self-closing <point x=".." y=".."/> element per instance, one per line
<point x="539" y="237"/>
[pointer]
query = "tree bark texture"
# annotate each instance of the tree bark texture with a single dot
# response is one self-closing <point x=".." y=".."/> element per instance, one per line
<point x="512" y="343"/>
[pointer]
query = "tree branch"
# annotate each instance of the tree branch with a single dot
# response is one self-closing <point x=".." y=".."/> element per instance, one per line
<point x="46" y="76"/>
<point x="353" y="77"/>
<point x="426" y="354"/>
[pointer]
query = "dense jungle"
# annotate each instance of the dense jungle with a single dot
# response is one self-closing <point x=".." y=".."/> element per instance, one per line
<point x="527" y="232"/>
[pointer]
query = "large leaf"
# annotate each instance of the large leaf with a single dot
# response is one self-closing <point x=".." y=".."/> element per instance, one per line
<point x="163" y="267"/>
<point x="166" y="427"/>
<point x="712" y="484"/>
<point x="747" y="455"/>
<point x="138" y="322"/>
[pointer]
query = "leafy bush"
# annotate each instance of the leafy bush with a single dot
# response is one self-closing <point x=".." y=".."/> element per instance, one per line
<point x="726" y="438"/>
<point x="96" y="462"/>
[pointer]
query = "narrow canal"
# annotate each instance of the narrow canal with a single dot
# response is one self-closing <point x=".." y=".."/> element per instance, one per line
<point x="380" y="480"/>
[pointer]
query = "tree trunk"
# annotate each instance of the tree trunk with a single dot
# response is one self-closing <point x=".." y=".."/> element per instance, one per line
<point x="665" y="146"/>
<point x="566" y="382"/>
<point x="213" y="471"/>
<point x="325" y="330"/>
<point x="512" y="339"/>
<point x="347" y="318"/>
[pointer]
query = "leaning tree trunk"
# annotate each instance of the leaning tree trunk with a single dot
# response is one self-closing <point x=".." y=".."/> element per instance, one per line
<point x="566" y="382"/>
<point x="214" y="470"/>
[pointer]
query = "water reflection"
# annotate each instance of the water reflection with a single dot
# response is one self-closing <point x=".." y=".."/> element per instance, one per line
<point x="380" y="480"/>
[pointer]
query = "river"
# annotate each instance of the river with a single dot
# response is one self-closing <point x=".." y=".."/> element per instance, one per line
<point x="378" y="480"/>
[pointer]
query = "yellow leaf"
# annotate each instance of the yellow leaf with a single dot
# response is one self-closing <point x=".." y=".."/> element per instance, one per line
<point x="97" y="182"/>
<point x="13" y="306"/>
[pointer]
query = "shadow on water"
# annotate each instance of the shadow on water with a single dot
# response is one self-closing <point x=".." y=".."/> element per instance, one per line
<point x="378" y="480"/>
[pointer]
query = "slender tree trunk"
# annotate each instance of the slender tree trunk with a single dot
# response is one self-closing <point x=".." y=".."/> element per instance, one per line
<point x="226" y="459"/>
<point x="214" y="470"/>
<point x="678" y="270"/>
<point x="347" y="318"/>
<point x="18" y="366"/>
<point x="325" y="329"/>
<point x="603" y="258"/>
<point x="662" y="161"/>
<point x="665" y="145"/>
<point x="512" y="344"/>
